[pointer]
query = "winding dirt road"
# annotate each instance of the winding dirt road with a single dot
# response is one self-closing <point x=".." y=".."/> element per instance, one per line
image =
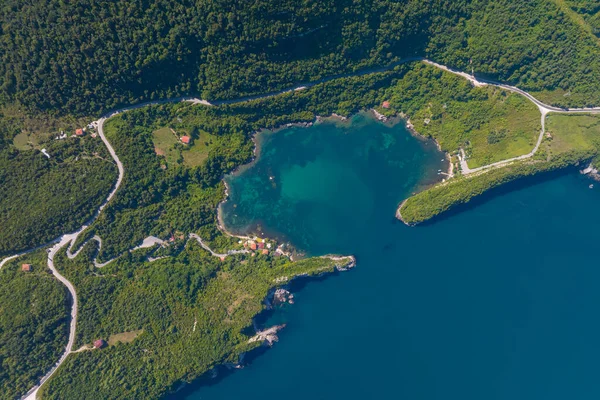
<point x="70" y="239"/>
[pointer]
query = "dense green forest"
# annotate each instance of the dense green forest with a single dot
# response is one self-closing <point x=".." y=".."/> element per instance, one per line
<point x="87" y="56"/>
<point x="34" y="323"/>
<point x="43" y="198"/>
<point x="590" y="12"/>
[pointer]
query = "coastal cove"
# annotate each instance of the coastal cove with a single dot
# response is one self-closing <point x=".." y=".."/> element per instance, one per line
<point x="498" y="301"/>
<point x="303" y="171"/>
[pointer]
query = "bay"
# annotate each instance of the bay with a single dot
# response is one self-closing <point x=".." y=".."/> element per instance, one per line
<point x="499" y="301"/>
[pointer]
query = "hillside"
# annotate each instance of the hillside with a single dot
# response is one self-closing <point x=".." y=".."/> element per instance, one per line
<point x="87" y="56"/>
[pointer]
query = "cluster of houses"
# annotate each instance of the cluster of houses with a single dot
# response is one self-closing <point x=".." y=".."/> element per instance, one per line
<point x="261" y="246"/>
<point x="258" y="245"/>
<point x="78" y="132"/>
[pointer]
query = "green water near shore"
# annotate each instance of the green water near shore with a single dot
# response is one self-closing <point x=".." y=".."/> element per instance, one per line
<point x="499" y="301"/>
<point x="313" y="186"/>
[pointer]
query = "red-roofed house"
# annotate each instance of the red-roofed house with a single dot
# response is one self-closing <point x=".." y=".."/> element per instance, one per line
<point x="261" y="245"/>
<point x="252" y="245"/>
<point x="98" y="344"/>
<point x="385" y="104"/>
<point x="26" y="267"/>
<point x="79" y="132"/>
<point x="185" y="139"/>
<point x="265" y="251"/>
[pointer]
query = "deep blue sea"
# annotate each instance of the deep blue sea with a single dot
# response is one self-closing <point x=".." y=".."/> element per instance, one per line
<point x="498" y="301"/>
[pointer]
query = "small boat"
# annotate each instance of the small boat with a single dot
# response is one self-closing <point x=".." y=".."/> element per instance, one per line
<point x="591" y="186"/>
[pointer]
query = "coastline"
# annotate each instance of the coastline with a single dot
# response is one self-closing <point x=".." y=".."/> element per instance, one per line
<point x="264" y="336"/>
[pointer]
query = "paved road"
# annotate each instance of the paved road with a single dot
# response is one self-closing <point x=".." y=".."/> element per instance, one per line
<point x="69" y="239"/>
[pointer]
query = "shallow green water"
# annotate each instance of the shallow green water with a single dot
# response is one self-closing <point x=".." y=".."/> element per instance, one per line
<point x="497" y="302"/>
<point x="319" y="187"/>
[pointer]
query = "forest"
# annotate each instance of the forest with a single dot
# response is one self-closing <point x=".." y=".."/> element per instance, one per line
<point x="34" y="323"/>
<point x="89" y="56"/>
<point x="43" y="198"/>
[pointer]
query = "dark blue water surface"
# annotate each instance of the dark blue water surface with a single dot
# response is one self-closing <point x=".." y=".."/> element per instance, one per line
<point x="500" y="301"/>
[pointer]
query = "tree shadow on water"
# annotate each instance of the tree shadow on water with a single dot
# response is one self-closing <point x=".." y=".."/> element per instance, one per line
<point x="499" y="191"/>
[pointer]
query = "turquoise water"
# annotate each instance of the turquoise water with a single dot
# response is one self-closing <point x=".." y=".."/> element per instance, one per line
<point x="499" y="301"/>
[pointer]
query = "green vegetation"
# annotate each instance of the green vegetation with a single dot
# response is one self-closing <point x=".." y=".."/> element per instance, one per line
<point x="157" y="201"/>
<point x="195" y="311"/>
<point x="171" y="320"/>
<point x="43" y="198"/>
<point x="34" y="323"/>
<point x="489" y="123"/>
<point x="578" y="132"/>
<point x="571" y="139"/>
<point x="124" y="337"/>
<point x="167" y="144"/>
<point x="88" y="56"/>
<point x="588" y="13"/>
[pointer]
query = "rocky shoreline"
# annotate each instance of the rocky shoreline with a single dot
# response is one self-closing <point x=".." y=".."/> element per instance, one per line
<point x="278" y="296"/>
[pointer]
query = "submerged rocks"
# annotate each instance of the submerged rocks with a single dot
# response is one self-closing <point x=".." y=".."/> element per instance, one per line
<point x="282" y="296"/>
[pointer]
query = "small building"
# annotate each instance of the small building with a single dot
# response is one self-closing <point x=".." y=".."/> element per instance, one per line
<point x="252" y="245"/>
<point x="185" y="139"/>
<point x="100" y="343"/>
<point x="265" y="252"/>
<point x="385" y="104"/>
<point x="261" y="245"/>
<point x="26" y="267"/>
<point x="79" y="132"/>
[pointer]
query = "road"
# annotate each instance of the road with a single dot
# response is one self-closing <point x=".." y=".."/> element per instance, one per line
<point x="545" y="109"/>
<point x="220" y="255"/>
<point x="70" y="239"/>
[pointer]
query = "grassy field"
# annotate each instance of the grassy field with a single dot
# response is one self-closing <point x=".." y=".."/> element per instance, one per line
<point x="195" y="154"/>
<point x="489" y="123"/>
<point x="125" y="337"/>
<point x="167" y="144"/>
<point x="28" y="141"/>
<point x="576" y="132"/>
